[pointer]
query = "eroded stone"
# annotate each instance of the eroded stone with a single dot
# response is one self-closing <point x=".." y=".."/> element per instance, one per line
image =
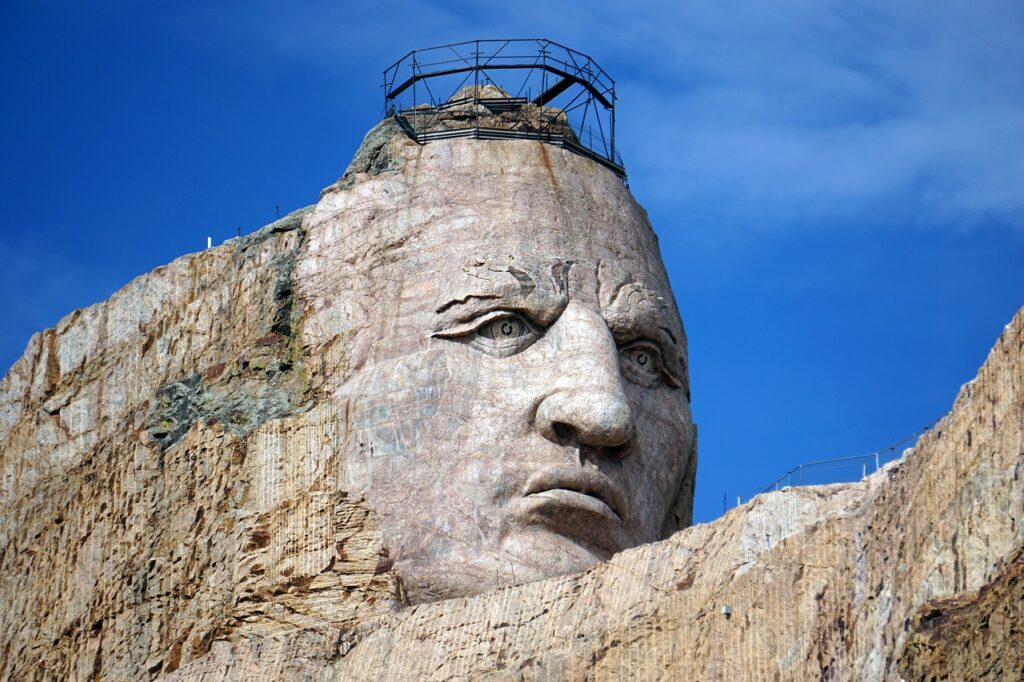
<point x="381" y="407"/>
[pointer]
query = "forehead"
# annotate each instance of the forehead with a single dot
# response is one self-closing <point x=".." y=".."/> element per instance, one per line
<point x="460" y="199"/>
<point x="395" y="244"/>
<point x="605" y="283"/>
<point x="606" y="235"/>
<point x="523" y="254"/>
<point x="534" y="256"/>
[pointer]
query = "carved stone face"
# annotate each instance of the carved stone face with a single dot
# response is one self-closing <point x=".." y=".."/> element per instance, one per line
<point x="522" y="406"/>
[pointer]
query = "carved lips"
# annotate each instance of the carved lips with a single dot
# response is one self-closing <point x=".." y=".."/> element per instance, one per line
<point x="581" y="488"/>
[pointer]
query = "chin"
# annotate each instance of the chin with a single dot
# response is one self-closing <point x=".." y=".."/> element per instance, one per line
<point x="524" y="556"/>
<point x="541" y="553"/>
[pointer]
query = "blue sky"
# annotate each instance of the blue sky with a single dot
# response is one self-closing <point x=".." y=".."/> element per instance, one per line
<point x="838" y="186"/>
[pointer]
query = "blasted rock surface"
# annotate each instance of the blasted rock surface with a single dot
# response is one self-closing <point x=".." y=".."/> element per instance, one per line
<point x="141" y="447"/>
<point x="185" y="493"/>
<point x="914" y="573"/>
<point x="517" y="392"/>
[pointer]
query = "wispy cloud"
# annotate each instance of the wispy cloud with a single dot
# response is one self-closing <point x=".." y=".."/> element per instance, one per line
<point x="777" y="113"/>
<point x="822" y="111"/>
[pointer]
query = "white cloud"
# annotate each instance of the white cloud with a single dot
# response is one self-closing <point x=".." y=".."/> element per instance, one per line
<point x="816" y="113"/>
<point x="797" y="112"/>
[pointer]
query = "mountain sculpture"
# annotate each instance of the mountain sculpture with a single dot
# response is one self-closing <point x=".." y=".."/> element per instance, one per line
<point x="437" y="426"/>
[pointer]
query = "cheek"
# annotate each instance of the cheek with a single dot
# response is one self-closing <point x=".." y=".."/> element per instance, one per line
<point x="487" y="402"/>
<point x="394" y="410"/>
<point x="448" y="412"/>
<point x="664" y="437"/>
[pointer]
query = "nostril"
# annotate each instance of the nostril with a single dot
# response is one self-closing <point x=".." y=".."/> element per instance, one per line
<point x="563" y="432"/>
<point x="618" y="452"/>
<point x="597" y="419"/>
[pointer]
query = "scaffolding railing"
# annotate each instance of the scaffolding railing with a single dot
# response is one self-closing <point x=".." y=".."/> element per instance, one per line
<point x="568" y="98"/>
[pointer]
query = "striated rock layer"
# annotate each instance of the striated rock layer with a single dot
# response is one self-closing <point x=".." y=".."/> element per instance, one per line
<point x="177" y="494"/>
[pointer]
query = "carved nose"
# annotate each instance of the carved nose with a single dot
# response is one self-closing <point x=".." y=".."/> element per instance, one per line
<point x="598" y="418"/>
<point x="586" y="404"/>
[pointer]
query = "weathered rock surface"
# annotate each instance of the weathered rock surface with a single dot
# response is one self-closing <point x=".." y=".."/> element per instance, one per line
<point x="135" y="523"/>
<point x="972" y="635"/>
<point x="489" y="109"/>
<point x="177" y="497"/>
<point x="914" y="573"/>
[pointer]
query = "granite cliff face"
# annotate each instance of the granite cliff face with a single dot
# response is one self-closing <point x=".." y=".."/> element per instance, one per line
<point x="184" y="479"/>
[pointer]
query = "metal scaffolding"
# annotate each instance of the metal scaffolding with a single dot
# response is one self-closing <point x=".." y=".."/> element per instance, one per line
<point x="506" y="89"/>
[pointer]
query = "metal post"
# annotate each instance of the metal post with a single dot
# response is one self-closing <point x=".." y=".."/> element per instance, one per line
<point x="415" y="102"/>
<point x="544" y="70"/>
<point x="476" y="88"/>
<point x="614" y="160"/>
<point x="876" y="461"/>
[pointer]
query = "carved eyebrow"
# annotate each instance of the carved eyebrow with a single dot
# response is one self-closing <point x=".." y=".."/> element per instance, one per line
<point x="474" y="305"/>
<point x="526" y="280"/>
<point x="464" y="300"/>
<point x="636" y="309"/>
<point x="496" y="285"/>
<point x="670" y="335"/>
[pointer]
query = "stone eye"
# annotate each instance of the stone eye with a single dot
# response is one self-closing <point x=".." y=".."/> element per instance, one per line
<point x="503" y="329"/>
<point x="641" y="363"/>
<point x="499" y="333"/>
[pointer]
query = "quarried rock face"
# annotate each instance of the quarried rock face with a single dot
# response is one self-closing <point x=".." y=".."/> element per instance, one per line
<point x="913" y="573"/>
<point x="517" y="399"/>
<point x="463" y="368"/>
<point x="355" y="444"/>
<point x="148" y="504"/>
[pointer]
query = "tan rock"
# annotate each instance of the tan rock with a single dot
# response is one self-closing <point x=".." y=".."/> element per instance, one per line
<point x="512" y="342"/>
<point x="188" y="489"/>
<point x="828" y="582"/>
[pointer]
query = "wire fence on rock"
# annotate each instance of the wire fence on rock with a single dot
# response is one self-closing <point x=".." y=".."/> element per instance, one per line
<point x="842" y="469"/>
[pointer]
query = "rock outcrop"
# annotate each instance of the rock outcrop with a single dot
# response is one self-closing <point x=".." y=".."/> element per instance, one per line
<point x="491" y="108"/>
<point x="174" y="505"/>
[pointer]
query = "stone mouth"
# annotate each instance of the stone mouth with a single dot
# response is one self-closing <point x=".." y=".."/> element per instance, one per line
<point x="569" y="483"/>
